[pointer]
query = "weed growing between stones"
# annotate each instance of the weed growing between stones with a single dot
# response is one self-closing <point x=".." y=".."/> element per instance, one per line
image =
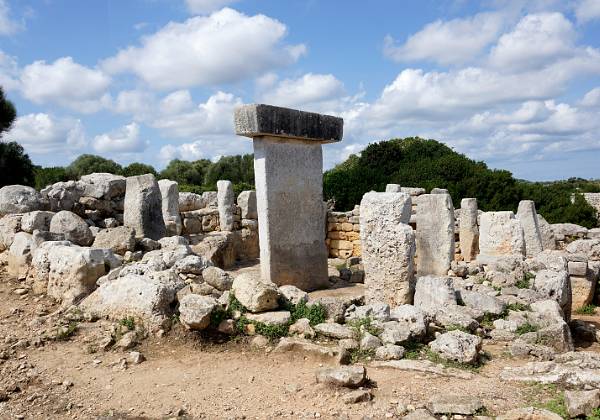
<point x="525" y="282"/>
<point x="586" y="310"/>
<point x="595" y="414"/>
<point x="362" y="325"/>
<point x="526" y="328"/>
<point x="547" y="396"/>
<point x="457" y="327"/>
<point x="128" y="322"/>
<point x="473" y="367"/>
<point x="64" y="333"/>
<point x="413" y="349"/>
<point x="361" y="355"/>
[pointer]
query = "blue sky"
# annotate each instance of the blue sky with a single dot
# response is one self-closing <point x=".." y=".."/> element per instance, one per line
<point x="514" y="83"/>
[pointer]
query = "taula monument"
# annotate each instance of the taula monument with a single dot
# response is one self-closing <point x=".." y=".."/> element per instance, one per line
<point x="288" y="168"/>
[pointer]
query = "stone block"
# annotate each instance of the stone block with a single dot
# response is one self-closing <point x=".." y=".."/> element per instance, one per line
<point x="169" y="191"/>
<point x="435" y="234"/>
<point x="527" y="215"/>
<point x="143" y="207"/>
<point x="500" y="233"/>
<point x="225" y="201"/>
<point x="247" y="202"/>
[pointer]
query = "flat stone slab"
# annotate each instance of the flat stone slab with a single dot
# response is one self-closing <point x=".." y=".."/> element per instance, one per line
<point x="259" y="120"/>
<point x="423" y="366"/>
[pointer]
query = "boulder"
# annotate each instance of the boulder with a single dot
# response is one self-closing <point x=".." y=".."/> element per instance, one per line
<point x="143" y="207"/>
<point x="190" y="201"/>
<point x="247" y="202"/>
<point x="218" y="248"/>
<point x="63" y="195"/>
<point x="389" y="352"/>
<point x="169" y="191"/>
<point x="271" y="318"/>
<point x="333" y="330"/>
<point x="482" y="302"/>
<point x="582" y="403"/>
<point x="568" y="230"/>
<point x="375" y="311"/>
<point x="255" y="295"/>
<point x="36" y="220"/>
<point x="293" y="294"/>
<point x="195" y="311"/>
<point x="73" y="227"/>
<point x="162" y="259"/>
<point x="120" y="239"/>
<point x="432" y="293"/>
<point x="500" y="233"/>
<point x="557" y="286"/>
<point x="103" y="185"/>
<point x="226" y="203"/>
<point x="411" y="318"/>
<point x="19" y="255"/>
<point x="192" y="264"/>
<point x="346" y="376"/>
<point x="9" y="226"/>
<point x="457" y="346"/>
<point x="19" y="199"/>
<point x="217" y="278"/>
<point x="588" y="247"/>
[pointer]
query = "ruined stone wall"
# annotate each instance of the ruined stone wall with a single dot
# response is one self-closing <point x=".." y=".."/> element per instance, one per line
<point x="343" y="233"/>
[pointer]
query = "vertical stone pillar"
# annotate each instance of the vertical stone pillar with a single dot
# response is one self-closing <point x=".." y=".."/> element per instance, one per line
<point x="527" y="215"/>
<point x="468" y="229"/>
<point x="388" y="247"/>
<point x="143" y="207"/>
<point x="435" y="234"/>
<point x="169" y="191"/>
<point x="247" y="202"/>
<point x="288" y="171"/>
<point x="225" y="203"/>
<point x="500" y="234"/>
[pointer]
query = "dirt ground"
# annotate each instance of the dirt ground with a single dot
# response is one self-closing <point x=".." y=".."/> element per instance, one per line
<point x="189" y="377"/>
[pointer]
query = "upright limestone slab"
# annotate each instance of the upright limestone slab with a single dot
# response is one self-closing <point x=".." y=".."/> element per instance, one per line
<point x="435" y="234"/>
<point x="527" y="215"/>
<point x="169" y="191"/>
<point x="468" y="229"/>
<point x="143" y="207"/>
<point x="288" y="170"/>
<point x="500" y="234"/>
<point x="388" y="247"/>
<point x="226" y="203"/>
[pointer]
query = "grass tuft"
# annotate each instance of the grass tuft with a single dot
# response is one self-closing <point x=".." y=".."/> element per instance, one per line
<point x="526" y="328"/>
<point x="586" y="310"/>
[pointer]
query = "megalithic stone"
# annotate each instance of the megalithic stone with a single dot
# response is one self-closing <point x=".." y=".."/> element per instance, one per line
<point x="288" y="171"/>
<point x="468" y="229"/>
<point x="527" y="215"/>
<point x="143" y="207"/>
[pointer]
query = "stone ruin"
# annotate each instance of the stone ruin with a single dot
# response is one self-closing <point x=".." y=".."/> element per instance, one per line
<point x="450" y="279"/>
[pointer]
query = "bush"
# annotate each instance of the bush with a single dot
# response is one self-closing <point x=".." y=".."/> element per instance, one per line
<point x="15" y="165"/>
<point x="186" y="172"/>
<point x="49" y="176"/>
<point x="137" y="168"/>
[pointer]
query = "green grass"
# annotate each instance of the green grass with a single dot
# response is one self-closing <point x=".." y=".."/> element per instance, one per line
<point x="525" y="282"/>
<point x="128" y="322"/>
<point x="64" y="333"/>
<point x="413" y="349"/>
<point x="362" y="325"/>
<point x="526" y="328"/>
<point x="517" y="307"/>
<point x="316" y="314"/>
<point x="586" y="310"/>
<point x="556" y="405"/>
<point x="456" y="327"/>
<point x="361" y="355"/>
<point x="595" y="414"/>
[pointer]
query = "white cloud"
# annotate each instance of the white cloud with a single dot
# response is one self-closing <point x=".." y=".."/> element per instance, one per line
<point x="202" y="7"/>
<point x="43" y="134"/>
<point x="308" y="92"/>
<point x="124" y="140"/>
<point x="137" y="103"/>
<point x="592" y="98"/>
<point x="9" y="72"/>
<point x="66" y="83"/>
<point x="208" y="148"/>
<point x="587" y="10"/>
<point x="226" y="46"/>
<point x="8" y="26"/>
<point x="448" y="42"/>
<point x="176" y="102"/>
<point x="536" y="41"/>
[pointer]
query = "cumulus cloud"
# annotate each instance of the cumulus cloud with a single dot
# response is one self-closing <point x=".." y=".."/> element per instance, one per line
<point x="137" y="103"/>
<point x="448" y="42"/>
<point x="310" y="91"/>
<point x="202" y="7"/>
<point x="8" y="26"/>
<point x="587" y="10"/>
<point x="592" y="98"/>
<point x="66" y="83"/>
<point x="9" y="72"/>
<point x="226" y="46"/>
<point x="123" y="140"/>
<point x="42" y="134"/>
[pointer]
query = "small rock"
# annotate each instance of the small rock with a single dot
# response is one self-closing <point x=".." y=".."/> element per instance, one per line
<point x="333" y="330"/>
<point x="582" y="403"/>
<point x="136" y="357"/>
<point x="454" y="404"/>
<point x="128" y="340"/>
<point x="347" y="376"/>
<point x="360" y="395"/>
<point x="389" y="352"/>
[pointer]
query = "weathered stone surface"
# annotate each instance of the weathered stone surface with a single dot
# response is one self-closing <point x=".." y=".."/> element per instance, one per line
<point x="419" y="414"/>
<point x="582" y="290"/>
<point x="369" y="342"/>
<point x="302" y="328"/>
<point x="217" y="278"/>
<point x="389" y="352"/>
<point x="218" y="248"/>
<point x="527" y="215"/>
<point x="190" y="201"/>
<point x="259" y="120"/>
<point x="529" y="413"/>
<point x="483" y="302"/>
<point x="291" y="212"/>
<point x="454" y="404"/>
<point x="435" y="234"/>
<point x="393" y="188"/>
<point x="308" y="348"/>
<point x="582" y="403"/>
<point x="19" y="255"/>
<point x="432" y="293"/>
<point x="395" y="332"/>
<point x="411" y="318"/>
<point x="347" y="376"/>
<point x="162" y="259"/>
<point x="555" y="285"/>
<point x="36" y="220"/>
<point x="9" y="226"/>
<point x="143" y="207"/>
<point x="19" y="199"/>
<point x="388" y="247"/>
<point x="120" y="239"/>
<point x="548" y="239"/>
<point x="247" y="202"/>
<point x="195" y="310"/>
<point x="226" y="202"/>
<point x="457" y="346"/>
<point x="254" y="294"/>
<point x="562" y="230"/>
<point x="335" y="306"/>
<point x="271" y="318"/>
<point x="423" y="366"/>
<point x="147" y="296"/>
<point x="73" y="227"/>
<point x="169" y="191"/>
<point x="103" y="185"/>
<point x="468" y="229"/>
<point x="293" y="294"/>
<point x="356" y="396"/>
<point x="333" y="330"/>
<point x="589" y="247"/>
<point x="500" y="233"/>
<point x="375" y="311"/>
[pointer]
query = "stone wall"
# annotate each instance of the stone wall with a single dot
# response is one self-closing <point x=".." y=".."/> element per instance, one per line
<point x="593" y="199"/>
<point x="343" y="233"/>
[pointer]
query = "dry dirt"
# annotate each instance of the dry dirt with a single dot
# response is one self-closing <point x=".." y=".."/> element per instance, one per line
<point x="187" y="376"/>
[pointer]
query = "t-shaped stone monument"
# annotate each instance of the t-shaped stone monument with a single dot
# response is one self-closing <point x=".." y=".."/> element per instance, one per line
<point x="288" y="171"/>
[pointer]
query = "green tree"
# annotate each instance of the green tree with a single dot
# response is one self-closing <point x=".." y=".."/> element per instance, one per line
<point x="8" y="112"/>
<point x="186" y="172"/>
<point x="88" y="164"/>
<point x="238" y="169"/>
<point x="137" y="168"/>
<point x="49" y="176"/>
<point x="15" y="165"/>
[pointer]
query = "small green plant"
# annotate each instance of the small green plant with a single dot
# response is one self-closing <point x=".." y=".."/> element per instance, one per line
<point x="235" y="306"/>
<point x="525" y="282"/>
<point x="517" y="307"/>
<point x="271" y="331"/>
<point x="526" y="328"/>
<point x="413" y="349"/>
<point x="586" y="310"/>
<point x="63" y="333"/>
<point x="556" y="405"/>
<point x="453" y="327"/>
<point x="361" y="355"/>
<point x="340" y="266"/>
<point x="316" y="314"/>
<point x="361" y="325"/>
<point x="217" y="316"/>
<point x="128" y="322"/>
<point x="595" y="414"/>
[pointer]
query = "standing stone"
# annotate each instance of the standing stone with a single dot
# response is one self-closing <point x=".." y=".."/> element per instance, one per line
<point x="469" y="231"/>
<point x="143" y="207"/>
<point x="393" y="188"/>
<point x="548" y="239"/>
<point x="531" y="231"/>
<point x="435" y="234"/>
<point x="500" y="234"/>
<point x="225" y="200"/>
<point x="288" y="167"/>
<point x="388" y="247"/>
<point x="247" y="202"/>
<point x="169" y="191"/>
